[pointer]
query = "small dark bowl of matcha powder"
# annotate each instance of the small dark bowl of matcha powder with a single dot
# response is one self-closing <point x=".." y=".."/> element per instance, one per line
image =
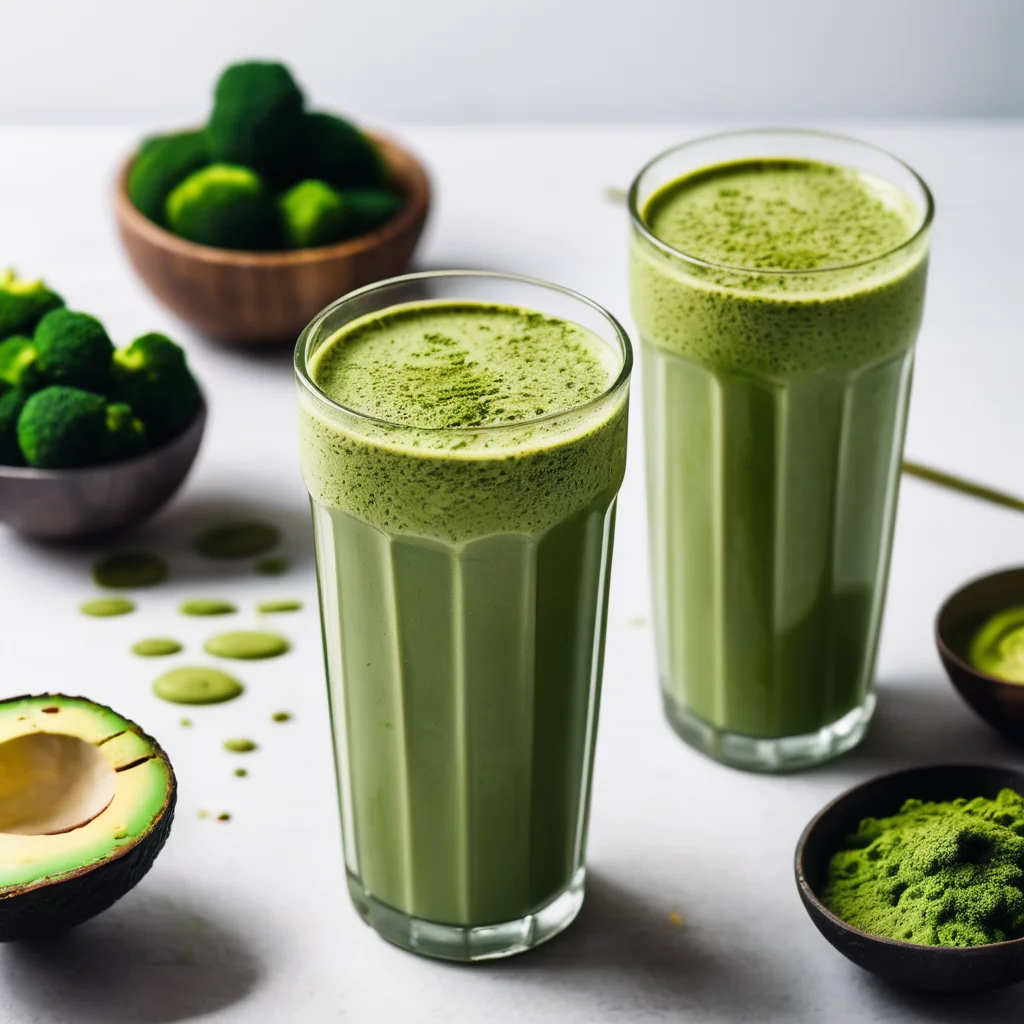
<point x="918" y="877"/>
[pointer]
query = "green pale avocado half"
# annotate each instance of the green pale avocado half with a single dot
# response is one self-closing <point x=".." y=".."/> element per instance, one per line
<point x="86" y="804"/>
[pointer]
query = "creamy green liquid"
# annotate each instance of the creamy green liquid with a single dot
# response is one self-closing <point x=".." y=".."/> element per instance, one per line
<point x="237" y="540"/>
<point x="197" y="686"/>
<point x="240" y="746"/>
<point x="775" y="407"/>
<point x="273" y="607"/>
<point x="156" y="647"/>
<point x="128" y="570"/>
<point x="247" y="645"/>
<point x="463" y="575"/>
<point x="105" y="607"/>
<point x="206" y="606"/>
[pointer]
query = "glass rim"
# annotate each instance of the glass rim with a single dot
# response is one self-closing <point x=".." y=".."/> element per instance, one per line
<point x="303" y="376"/>
<point x="639" y="224"/>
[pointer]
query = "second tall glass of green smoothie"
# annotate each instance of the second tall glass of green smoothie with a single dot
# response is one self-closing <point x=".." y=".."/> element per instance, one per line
<point x="463" y="439"/>
<point x="777" y="280"/>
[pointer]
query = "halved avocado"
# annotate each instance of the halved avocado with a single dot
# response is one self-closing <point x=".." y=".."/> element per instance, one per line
<point x="86" y="804"/>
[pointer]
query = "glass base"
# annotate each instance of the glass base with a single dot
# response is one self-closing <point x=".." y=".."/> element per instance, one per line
<point x="467" y="943"/>
<point x="782" y="754"/>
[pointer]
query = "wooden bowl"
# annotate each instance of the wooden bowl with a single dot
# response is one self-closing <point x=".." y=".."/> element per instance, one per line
<point x="268" y="297"/>
<point x="1000" y="703"/>
<point x="928" y="968"/>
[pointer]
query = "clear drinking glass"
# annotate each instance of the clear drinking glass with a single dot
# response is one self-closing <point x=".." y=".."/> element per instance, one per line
<point x="775" y="404"/>
<point x="463" y="579"/>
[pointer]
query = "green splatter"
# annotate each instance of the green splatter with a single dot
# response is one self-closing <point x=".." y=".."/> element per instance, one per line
<point x="237" y="540"/>
<point x="241" y="772"/>
<point x="224" y="816"/>
<point x="276" y="565"/>
<point x="104" y="607"/>
<point x="156" y="647"/>
<point x="239" y="746"/>
<point x="206" y="606"/>
<point x="197" y="686"/>
<point x="185" y="723"/>
<point x="269" y="607"/>
<point x="247" y="645"/>
<point x="128" y="570"/>
<point x="281" y="716"/>
<point x="202" y="814"/>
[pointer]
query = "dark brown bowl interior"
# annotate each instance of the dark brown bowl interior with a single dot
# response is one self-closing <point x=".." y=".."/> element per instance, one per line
<point x="1001" y="704"/>
<point x="929" y="968"/>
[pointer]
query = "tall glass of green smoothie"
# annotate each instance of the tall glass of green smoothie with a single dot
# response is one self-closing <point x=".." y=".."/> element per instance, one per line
<point x="777" y="280"/>
<point x="463" y="439"/>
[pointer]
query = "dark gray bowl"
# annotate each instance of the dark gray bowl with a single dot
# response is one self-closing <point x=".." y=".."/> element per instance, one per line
<point x="71" y="504"/>
<point x="929" y="968"/>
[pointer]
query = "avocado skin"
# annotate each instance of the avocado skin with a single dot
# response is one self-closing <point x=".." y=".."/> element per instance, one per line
<point x="48" y="906"/>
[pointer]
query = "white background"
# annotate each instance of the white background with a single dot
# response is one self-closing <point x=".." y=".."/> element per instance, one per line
<point x="521" y="60"/>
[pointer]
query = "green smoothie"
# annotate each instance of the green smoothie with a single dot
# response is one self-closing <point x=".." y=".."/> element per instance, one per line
<point x="778" y="301"/>
<point x="463" y="504"/>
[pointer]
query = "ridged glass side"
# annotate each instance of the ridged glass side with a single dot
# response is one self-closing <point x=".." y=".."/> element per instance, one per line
<point x="464" y="683"/>
<point x="771" y="508"/>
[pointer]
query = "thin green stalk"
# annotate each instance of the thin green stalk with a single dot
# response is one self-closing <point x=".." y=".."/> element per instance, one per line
<point x="956" y="483"/>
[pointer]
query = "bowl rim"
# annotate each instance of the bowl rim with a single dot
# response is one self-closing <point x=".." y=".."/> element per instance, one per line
<point x="819" y="907"/>
<point x="945" y="648"/>
<point x="197" y="425"/>
<point x="415" y="184"/>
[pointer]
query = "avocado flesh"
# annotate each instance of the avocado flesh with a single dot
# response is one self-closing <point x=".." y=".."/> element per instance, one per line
<point x="120" y="788"/>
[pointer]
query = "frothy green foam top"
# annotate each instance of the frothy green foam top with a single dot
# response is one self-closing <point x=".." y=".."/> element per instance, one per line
<point x="458" y="365"/>
<point x="781" y="215"/>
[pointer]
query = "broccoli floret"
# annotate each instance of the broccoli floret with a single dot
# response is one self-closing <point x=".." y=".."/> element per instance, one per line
<point x="11" y="402"/>
<point x="224" y="206"/>
<point x="23" y="304"/>
<point x="336" y="151"/>
<point x="152" y="376"/>
<point x="126" y="433"/>
<point x="161" y="164"/>
<point x="18" y="363"/>
<point x="257" y="119"/>
<point x="63" y="428"/>
<point x="73" y="348"/>
<point x="313" y="213"/>
<point x="369" y="208"/>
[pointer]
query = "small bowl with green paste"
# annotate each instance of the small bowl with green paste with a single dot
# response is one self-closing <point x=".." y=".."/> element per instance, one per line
<point x="979" y="632"/>
<point x="918" y="877"/>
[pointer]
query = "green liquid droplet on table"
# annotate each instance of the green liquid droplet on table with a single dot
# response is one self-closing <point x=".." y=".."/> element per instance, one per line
<point x="156" y="647"/>
<point x="197" y="686"/>
<point x="241" y="772"/>
<point x="276" y="565"/>
<point x="998" y="647"/>
<point x="281" y="716"/>
<point x="268" y="607"/>
<point x="246" y="645"/>
<point x="239" y="746"/>
<point x="237" y="540"/>
<point x="104" y="607"/>
<point x="206" y="606"/>
<point x="224" y="816"/>
<point x="129" y="569"/>
<point x="186" y="723"/>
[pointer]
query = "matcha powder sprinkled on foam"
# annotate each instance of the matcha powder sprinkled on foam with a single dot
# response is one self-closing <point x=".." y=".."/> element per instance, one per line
<point x="104" y="607"/>
<point x="128" y="570"/>
<point x="237" y="540"/>
<point x="936" y="874"/>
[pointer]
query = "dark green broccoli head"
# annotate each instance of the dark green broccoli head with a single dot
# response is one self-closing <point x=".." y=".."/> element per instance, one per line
<point x="18" y="363"/>
<point x="161" y="164"/>
<point x="23" y="304"/>
<point x="63" y="428"/>
<point x="257" y="118"/>
<point x="73" y="348"/>
<point x="369" y="208"/>
<point x="126" y="433"/>
<point x="152" y="376"/>
<point x="11" y="402"/>
<point x="313" y="213"/>
<point x="335" y="151"/>
<point x="225" y="206"/>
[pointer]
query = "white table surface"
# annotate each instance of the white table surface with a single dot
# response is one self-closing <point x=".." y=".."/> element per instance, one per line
<point x="248" y="920"/>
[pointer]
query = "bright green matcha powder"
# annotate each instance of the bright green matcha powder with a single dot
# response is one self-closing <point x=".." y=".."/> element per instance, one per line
<point x="936" y="874"/>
